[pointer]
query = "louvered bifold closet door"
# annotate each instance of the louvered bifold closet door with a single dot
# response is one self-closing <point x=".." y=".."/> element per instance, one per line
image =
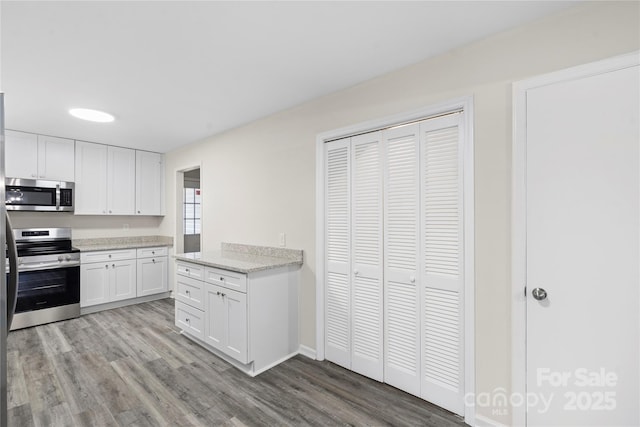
<point x="337" y="253"/>
<point x="366" y="250"/>
<point x="442" y="376"/>
<point x="401" y="244"/>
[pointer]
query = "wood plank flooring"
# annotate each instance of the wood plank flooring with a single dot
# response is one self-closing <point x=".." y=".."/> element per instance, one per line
<point x="130" y="367"/>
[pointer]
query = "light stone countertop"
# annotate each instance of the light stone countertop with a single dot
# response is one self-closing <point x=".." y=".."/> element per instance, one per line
<point x="114" y="243"/>
<point x="245" y="258"/>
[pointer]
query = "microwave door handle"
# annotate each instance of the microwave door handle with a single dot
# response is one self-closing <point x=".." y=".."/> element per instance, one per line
<point x="57" y="197"/>
<point x="12" y="283"/>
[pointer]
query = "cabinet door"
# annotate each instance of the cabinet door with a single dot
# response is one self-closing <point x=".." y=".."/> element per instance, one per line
<point x="21" y="150"/>
<point x="152" y="276"/>
<point x="121" y="176"/>
<point x="56" y="158"/>
<point x="215" y="317"/>
<point x="149" y="183"/>
<point x="91" y="179"/>
<point x="235" y="306"/>
<point x="94" y="284"/>
<point x="122" y="280"/>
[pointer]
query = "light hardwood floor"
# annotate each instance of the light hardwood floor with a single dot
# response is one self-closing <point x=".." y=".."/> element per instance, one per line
<point x="131" y="367"/>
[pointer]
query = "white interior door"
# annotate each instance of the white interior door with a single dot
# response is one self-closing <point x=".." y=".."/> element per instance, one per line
<point x="401" y="281"/>
<point x="337" y="253"/>
<point x="442" y="279"/>
<point x="366" y="259"/>
<point x="582" y="249"/>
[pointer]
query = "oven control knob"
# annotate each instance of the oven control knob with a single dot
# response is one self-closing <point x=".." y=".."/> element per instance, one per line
<point x="60" y="258"/>
<point x="20" y="261"/>
<point x="67" y="257"/>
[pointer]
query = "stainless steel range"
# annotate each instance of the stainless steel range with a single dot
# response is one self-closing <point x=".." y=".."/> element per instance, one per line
<point x="48" y="277"/>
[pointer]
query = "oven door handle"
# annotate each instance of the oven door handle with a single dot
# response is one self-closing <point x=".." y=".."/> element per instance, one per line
<point x="12" y="284"/>
<point x="47" y="266"/>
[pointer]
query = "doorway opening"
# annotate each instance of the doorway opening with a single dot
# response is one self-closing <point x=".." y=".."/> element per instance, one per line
<point x="189" y="224"/>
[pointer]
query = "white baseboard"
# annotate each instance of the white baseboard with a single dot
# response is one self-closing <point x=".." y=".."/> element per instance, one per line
<point x="307" y="351"/>
<point x="487" y="422"/>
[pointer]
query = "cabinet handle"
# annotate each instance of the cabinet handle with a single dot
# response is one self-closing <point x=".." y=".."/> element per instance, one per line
<point x="412" y="279"/>
<point x="33" y="175"/>
<point x="223" y="295"/>
<point x="154" y="261"/>
<point x="187" y="292"/>
<point x="218" y="293"/>
<point x="106" y="266"/>
<point x="109" y="211"/>
<point x="222" y="279"/>
<point x="187" y="320"/>
<point x="113" y="265"/>
<point x="138" y="211"/>
<point x="153" y="252"/>
<point x="109" y="255"/>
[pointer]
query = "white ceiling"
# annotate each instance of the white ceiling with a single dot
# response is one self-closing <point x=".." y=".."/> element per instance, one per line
<point x="176" y="72"/>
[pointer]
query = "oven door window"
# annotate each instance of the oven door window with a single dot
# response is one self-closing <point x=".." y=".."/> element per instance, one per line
<point x="48" y="288"/>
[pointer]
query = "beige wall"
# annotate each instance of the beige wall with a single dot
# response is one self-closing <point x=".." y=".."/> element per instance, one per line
<point x="89" y="226"/>
<point x="258" y="180"/>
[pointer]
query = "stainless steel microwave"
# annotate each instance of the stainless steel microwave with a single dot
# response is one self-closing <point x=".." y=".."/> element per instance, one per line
<point x="38" y="195"/>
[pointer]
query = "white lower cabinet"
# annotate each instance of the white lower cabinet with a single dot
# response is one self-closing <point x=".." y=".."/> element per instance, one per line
<point x="226" y="326"/>
<point x="107" y="276"/>
<point x="190" y="319"/>
<point x="110" y="276"/>
<point x="249" y="319"/>
<point x="152" y="271"/>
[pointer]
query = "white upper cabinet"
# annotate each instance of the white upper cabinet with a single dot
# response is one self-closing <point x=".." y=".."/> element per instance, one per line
<point x="105" y="183"/>
<point x="55" y="158"/>
<point x="21" y="150"/>
<point x="149" y="183"/>
<point x="33" y="156"/>
<point x="121" y="176"/>
<point x="91" y="179"/>
<point x="118" y="181"/>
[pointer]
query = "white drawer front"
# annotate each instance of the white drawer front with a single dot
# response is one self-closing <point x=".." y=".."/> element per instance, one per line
<point x="152" y="252"/>
<point x="194" y="271"/>
<point x="226" y="278"/>
<point x="190" y="319"/>
<point x="190" y="291"/>
<point x="102" y="256"/>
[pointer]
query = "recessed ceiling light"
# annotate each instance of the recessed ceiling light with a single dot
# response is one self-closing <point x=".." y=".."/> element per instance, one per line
<point x="91" y="115"/>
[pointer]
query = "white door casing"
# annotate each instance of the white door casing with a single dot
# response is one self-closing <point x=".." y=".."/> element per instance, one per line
<point x="577" y="236"/>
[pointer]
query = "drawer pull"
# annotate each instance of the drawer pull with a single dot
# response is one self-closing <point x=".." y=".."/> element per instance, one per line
<point x="222" y="279"/>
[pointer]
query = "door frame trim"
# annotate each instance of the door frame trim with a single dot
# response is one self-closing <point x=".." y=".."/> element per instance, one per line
<point x="465" y="104"/>
<point x="518" y="209"/>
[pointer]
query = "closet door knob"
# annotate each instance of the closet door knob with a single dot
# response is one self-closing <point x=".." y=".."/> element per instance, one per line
<point x="356" y="272"/>
<point x="412" y="279"/>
